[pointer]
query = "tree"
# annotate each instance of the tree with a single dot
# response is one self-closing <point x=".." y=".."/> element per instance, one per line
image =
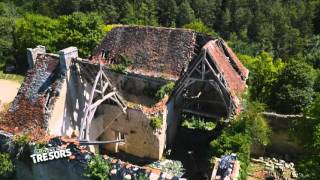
<point x="264" y="73"/>
<point x="312" y="51"/>
<point x="294" y="89"/>
<point x="185" y="14"/>
<point x="199" y="26"/>
<point x="206" y="11"/>
<point x="84" y="31"/>
<point x="32" y="30"/>
<point x="7" y="18"/>
<point x="167" y="12"/>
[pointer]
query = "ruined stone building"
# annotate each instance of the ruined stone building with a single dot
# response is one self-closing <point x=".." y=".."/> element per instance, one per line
<point x="111" y="96"/>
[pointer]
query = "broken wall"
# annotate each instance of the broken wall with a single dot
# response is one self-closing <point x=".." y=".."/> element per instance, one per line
<point x="140" y="139"/>
<point x="136" y="88"/>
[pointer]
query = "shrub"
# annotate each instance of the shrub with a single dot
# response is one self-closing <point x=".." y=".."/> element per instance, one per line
<point x="6" y="166"/>
<point x="97" y="168"/>
<point x="165" y="90"/>
<point x="199" y="26"/>
<point x="249" y="128"/>
<point x="123" y="65"/>
<point x="156" y="122"/>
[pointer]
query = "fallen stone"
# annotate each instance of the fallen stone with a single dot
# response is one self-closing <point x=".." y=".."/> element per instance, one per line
<point x="282" y="161"/>
<point x="294" y="175"/>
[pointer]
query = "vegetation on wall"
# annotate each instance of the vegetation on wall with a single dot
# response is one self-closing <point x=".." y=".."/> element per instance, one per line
<point x="165" y="90"/>
<point x="156" y="122"/>
<point x="122" y="66"/>
<point x="283" y="59"/>
<point x="21" y="140"/>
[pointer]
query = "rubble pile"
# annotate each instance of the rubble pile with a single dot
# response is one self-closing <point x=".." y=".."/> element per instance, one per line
<point x="277" y="168"/>
<point x="79" y="153"/>
<point x="31" y="107"/>
<point x="124" y="170"/>
<point x="154" y="51"/>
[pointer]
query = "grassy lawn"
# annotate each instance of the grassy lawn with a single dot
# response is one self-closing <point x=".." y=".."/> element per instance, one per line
<point x="13" y="77"/>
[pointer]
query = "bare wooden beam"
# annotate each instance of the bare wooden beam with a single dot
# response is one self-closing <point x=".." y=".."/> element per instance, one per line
<point x="100" y="142"/>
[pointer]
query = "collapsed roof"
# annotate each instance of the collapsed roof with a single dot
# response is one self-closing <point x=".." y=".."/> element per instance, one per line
<point x="165" y="53"/>
<point x="31" y="107"/>
<point x="154" y="51"/>
<point x="169" y="53"/>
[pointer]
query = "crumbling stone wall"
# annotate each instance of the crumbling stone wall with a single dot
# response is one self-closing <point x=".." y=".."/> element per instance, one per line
<point x="140" y="139"/>
<point x="135" y="88"/>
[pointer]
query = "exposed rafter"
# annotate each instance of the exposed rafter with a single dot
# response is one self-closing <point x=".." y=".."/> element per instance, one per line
<point x="199" y="72"/>
<point x="101" y="90"/>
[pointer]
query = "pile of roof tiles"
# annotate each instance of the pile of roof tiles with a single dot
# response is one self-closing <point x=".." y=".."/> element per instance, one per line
<point x="79" y="153"/>
<point x="31" y="107"/>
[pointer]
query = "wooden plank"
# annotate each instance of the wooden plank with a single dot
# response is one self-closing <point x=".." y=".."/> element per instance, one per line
<point x="100" y="142"/>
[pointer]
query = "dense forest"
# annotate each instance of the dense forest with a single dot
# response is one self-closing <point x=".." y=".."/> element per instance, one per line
<point x="277" y="40"/>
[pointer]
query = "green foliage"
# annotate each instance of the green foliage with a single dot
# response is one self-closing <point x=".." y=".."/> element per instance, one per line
<point x="156" y="122"/>
<point x="308" y="132"/>
<point x="249" y="128"/>
<point x="7" y="167"/>
<point x="165" y="90"/>
<point x="140" y="13"/>
<point x="264" y="73"/>
<point x="33" y="30"/>
<point x="185" y="14"/>
<point x="13" y="77"/>
<point x="195" y="123"/>
<point x="107" y="28"/>
<point x="294" y="89"/>
<point x="21" y="140"/>
<point x="168" y="11"/>
<point x="199" y="26"/>
<point x="98" y="168"/>
<point x="312" y="51"/>
<point x="84" y="31"/>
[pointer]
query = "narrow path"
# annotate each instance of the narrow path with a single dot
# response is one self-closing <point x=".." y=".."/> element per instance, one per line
<point x="8" y="91"/>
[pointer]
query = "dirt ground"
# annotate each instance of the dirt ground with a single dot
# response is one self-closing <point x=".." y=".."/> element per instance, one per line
<point x="8" y="90"/>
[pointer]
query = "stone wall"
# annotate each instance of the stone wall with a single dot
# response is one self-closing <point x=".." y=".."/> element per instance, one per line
<point x="283" y="144"/>
<point x="140" y="139"/>
<point x="136" y="88"/>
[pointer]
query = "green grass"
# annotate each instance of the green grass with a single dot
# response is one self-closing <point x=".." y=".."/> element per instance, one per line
<point x="12" y="77"/>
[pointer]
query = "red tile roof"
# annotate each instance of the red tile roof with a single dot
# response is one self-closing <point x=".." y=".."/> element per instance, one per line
<point x="234" y="74"/>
